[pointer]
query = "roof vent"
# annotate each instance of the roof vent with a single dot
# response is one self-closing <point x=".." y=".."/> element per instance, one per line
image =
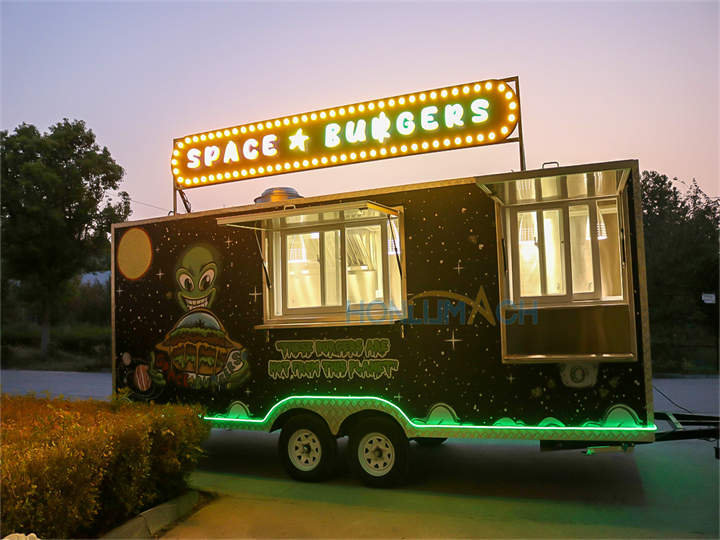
<point x="276" y="194"/>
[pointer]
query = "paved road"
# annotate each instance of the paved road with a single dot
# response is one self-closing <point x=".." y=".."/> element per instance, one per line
<point x="69" y="384"/>
<point x="465" y="489"/>
<point x="462" y="489"/>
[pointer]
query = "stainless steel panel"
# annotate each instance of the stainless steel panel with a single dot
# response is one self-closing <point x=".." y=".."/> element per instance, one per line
<point x="587" y="330"/>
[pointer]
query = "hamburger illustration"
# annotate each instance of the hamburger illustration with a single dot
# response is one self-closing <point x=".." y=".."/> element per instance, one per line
<point x="199" y="344"/>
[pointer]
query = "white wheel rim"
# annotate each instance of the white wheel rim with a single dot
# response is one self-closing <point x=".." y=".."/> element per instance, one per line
<point x="376" y="454"/>
<point x="304" y="450"/>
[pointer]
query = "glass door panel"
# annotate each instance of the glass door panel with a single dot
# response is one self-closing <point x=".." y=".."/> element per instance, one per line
<point x="554" y="252"/>
<point x="581" y="249"/>
<point x="576" y="185"/>
<point x="363" y="255"/>
<point x="529" y="254"/>
<point x="549" y="187"/>
<point x="303" y="270"/>
<point x="394" y="258"/>
<point x="609" y="249"/>
<point x="525" y="190"/>
<point x="332" y="261"/>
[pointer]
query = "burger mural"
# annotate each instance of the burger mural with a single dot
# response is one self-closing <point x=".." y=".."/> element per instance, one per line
<point x="199" y="349"/>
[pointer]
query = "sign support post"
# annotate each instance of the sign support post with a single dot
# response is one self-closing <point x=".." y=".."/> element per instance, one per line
<point x="521" y="141"/>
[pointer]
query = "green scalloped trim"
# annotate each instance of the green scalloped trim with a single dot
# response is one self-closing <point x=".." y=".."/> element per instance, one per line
<point x="335" y="409"/>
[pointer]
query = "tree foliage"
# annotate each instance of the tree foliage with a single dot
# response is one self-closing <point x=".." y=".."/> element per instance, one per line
<point x="682" y="255"/>
<point x="57" y="207"/>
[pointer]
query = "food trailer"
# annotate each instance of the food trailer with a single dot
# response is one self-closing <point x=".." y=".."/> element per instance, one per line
<point x="507" y="306"/>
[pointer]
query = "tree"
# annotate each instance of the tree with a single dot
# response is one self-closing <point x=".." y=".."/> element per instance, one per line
<point x="681" y="251"/>
<point x="56" y="208"/>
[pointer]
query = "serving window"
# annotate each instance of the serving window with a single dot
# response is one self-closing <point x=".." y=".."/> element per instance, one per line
<point x="567" y="251"/>
<point x="336" y="263"/>
<point x="564" y="264"/>
<point x="565" y="238"/>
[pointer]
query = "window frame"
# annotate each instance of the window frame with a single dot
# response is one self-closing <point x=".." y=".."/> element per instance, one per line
<point x="347" y="314"/>
<point x="283" y="234"/>
<point x="632" y="265"/>
<point x="563" y="203"/>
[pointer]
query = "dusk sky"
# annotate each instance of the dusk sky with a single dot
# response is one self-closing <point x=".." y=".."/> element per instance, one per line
<point x="598" y="81"/>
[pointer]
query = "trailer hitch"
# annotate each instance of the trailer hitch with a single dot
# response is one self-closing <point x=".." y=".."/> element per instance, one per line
<point x="686" y="426"/>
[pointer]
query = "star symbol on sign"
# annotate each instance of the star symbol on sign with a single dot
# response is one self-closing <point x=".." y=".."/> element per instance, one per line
<point x="298" y="140"/>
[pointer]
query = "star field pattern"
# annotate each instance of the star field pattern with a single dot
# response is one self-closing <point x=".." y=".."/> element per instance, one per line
<point x="450" y="245"/>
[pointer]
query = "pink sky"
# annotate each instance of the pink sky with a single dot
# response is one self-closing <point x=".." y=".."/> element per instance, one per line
<point x="599" y="81"/>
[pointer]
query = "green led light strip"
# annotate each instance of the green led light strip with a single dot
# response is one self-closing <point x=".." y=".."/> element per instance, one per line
<point x="421" y="426"/>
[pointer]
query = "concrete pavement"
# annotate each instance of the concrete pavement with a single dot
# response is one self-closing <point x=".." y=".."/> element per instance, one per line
<point x="463" y="489"/>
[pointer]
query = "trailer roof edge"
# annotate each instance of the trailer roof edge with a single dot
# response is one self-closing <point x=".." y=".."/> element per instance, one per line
<point x="477" y="180"/>
<point x="304" y="201"/>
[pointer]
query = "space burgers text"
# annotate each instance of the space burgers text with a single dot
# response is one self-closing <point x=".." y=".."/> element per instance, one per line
<point x="461" y="116"/>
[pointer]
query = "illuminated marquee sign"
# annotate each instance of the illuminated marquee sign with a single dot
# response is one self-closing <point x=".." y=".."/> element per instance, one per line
<point x="461" y="116"/>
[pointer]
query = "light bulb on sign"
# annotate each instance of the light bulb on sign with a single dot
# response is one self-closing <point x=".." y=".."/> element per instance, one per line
<point x="445" y="118"/>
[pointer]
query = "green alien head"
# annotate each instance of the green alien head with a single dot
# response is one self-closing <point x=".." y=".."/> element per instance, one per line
<point x="196" y="273"/>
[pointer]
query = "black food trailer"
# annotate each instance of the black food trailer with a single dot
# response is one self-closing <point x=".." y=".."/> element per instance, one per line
<point x="508" y="306"/>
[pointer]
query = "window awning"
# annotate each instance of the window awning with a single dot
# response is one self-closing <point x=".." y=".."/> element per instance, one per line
<point x="329" y="214"/>
<point x="554" y="185"/>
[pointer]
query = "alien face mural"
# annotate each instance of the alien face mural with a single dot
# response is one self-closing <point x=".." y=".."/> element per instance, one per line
<point x="197" y="352"/>
<point x="196" y="273"/>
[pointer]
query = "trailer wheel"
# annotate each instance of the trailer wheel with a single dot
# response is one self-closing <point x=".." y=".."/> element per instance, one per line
<point x="430" y="441"/>
<point x="307" y="448"/>
<point x="379" y="452"/>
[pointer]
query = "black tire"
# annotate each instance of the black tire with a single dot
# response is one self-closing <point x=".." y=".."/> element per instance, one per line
<point x="378" y="451"/>
<point x="430" y="442"/>
<point x="307" y="449"/>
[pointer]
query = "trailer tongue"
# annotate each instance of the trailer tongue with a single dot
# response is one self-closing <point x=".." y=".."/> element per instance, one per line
<point x="674" y="426"/>
<point x="684" y="426"/>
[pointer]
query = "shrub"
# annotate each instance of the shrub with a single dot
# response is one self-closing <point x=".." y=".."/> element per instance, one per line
<point x="83" y="339"/>
<point x="78" y="468"/>
<point x="79" y="338"/>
